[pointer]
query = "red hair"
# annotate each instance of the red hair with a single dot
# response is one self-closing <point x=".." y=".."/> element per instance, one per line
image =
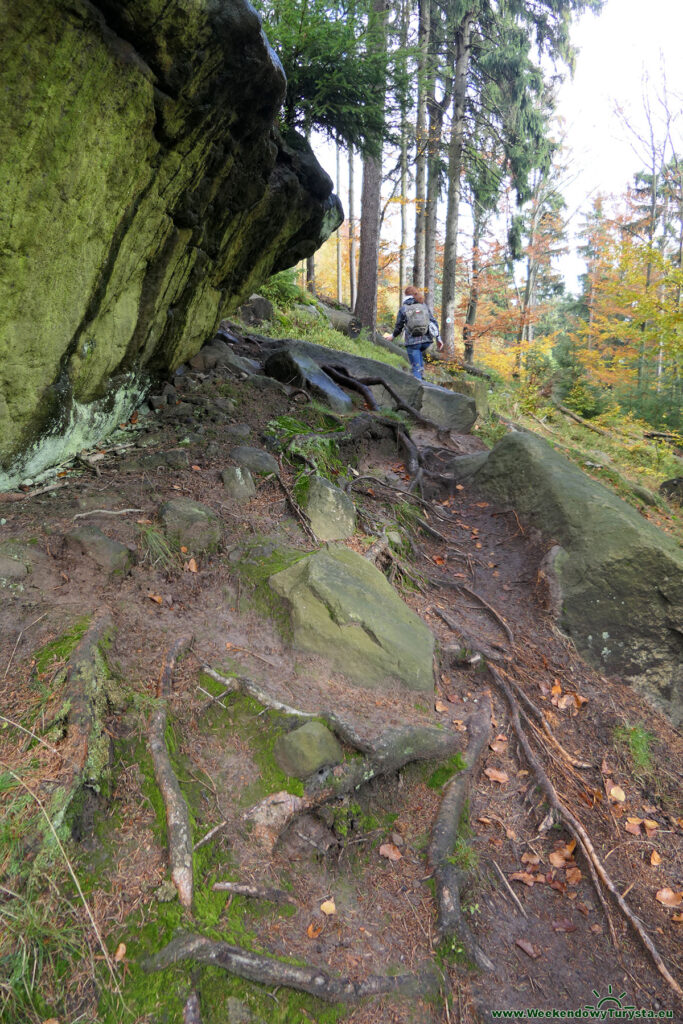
<point x="415" y="293"/>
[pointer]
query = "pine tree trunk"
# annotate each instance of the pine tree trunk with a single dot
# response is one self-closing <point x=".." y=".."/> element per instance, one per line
<point x="471" y="318"/>
<point x="339" y="237"/>
<point x="352" y="233"/>
<point x="436" y="110"/>
<point x="455" y="148"/>
<point x="421" y="144"/>
<point x="365" y="308"/>
<point x="403" y="252"/>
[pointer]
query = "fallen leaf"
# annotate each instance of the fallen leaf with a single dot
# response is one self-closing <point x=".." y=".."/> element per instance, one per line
<point x="191" y="566"/>
<point x="655" y="859"/>
<point x="485" y="821"/>
<point x="531" y="858"/>
<point x="579" y="700"/>
<point x="499" y="744"/>
<point x="495" y="776"/>
<point x="459" y="725"/>
<point x="633" y="827"/>
<point x="144" y="522"/>
<point x="183" y="550"/>
<point x="678" y="918"/>
<point x="438" y="560"/>
<point x="328" y="907"/>
<point x="528" y="948"/>
<point x="669" y="898"/>
<point x="440" y="706"/>
<point x="156" y="598"/>
<point x="120" y="952"/>
<point x="617" y="793"/>
<point x="459" y="487"/>
<point x="390" y="851"/>
<point x="596" y="929"/>
<point x="573" y="876"/>
<point x="563" y="925"/>
<point x="563" y="855"/>
<point x="197" y="469"/>
<point x="523" y="876"/>
<point x="650" y="827"/>
<point x="314" y="930"/>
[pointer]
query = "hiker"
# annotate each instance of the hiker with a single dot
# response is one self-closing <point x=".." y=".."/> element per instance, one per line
<point x="420" y="326"/>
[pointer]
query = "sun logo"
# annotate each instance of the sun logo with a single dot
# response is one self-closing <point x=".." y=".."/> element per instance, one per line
<point x="610" y="1000"/>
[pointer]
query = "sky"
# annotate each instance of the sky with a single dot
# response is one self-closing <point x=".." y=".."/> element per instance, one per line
<point x="629" y="38"/>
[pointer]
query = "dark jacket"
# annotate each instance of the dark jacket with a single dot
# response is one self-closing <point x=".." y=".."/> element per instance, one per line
<point x="422" y="339"/>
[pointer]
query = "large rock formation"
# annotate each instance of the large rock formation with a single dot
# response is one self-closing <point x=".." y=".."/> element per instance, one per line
<point x="616" y="580"/>
<point x="145" y="191"/>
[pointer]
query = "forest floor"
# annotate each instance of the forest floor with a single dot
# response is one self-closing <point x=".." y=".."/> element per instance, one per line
<point x="553" y="941"/>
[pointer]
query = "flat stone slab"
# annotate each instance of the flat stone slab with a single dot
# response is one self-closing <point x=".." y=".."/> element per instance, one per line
<point x="191" y="525"/>
<point x="616" y="580"/>
<point x="109" y="554"/>
<point x="331" y="512"/>
<point x="294" y="367"/>
<point x="306" y="750"/>
<point x="343" y="608"/>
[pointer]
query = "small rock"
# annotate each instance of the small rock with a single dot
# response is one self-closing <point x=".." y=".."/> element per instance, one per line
<point x="191" y="525"/>
<point x="238" y="431"/>
<point x="109" y="554"/>
<point x="306" y="750"/>
<point x="157" y="401"/>
<point x="239" y="483"/>
<point x="177" y="459"/>
<point x="255" y="459"/>
<point x="11" y="569"/>
<point x="331" y="512"/>
<point x="256" y="310"/>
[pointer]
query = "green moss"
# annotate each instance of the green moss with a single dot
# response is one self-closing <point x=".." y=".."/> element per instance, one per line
<point x="61" y="648"/>
<point x="261" y="559"/>
<point x="440" y="776"/>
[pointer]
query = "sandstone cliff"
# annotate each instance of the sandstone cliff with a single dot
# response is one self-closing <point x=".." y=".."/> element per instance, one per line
<point x="145" y="191"/>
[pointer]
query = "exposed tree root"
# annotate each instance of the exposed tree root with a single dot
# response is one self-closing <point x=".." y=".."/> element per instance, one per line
<point x="192" y="1013"/>
<point x="540" y="717"/>
<point x="256" y="892"/>
<point x="578" y="831"/>
<point x="177" y="815"/>
<point x="267" y="970"/>
<point x="340" y="376"/>
<point x="444" y="581"/>
<point x="404" y="406"/>
<point x="474" y="643"/>
<point x="448" y="877"/>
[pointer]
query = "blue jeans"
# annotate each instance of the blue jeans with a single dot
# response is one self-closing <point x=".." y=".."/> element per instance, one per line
<point x="416" y="357"/>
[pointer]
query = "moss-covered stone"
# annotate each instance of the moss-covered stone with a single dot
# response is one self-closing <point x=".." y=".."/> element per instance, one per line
<point x="144" y="193"/>
<point x="343" y="608"/>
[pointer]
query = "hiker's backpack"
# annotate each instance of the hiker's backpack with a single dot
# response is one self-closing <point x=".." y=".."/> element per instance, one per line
<point x="417" y="319"/>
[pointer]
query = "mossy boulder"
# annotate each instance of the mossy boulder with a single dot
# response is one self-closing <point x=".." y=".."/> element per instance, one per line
<point x="306" y="750"/>
<point x="146" y="192"/>
<point x="344" y="609"/>
<point x="617" y="580"/>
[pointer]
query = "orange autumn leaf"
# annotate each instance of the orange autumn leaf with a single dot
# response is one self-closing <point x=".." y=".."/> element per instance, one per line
<point x="156" y="598"/>
<point x="496" y="776"/>
<point x="655" y="859"/>
<point x="523" y="876"/>
<point x="390" y="851"/>
<point x="669" y="898"/>
<point x="314" y="930"/>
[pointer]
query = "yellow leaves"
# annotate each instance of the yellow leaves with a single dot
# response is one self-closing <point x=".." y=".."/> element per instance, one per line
<point x="615" y="793"/>
<point x="120" y="952"/>
<point x="328" y="907"/>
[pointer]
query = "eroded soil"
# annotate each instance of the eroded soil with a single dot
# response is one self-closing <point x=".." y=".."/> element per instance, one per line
<point x="550" y="943"/>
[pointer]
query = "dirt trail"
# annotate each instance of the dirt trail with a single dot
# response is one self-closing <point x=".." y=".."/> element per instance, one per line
<point x="529" y="898"/>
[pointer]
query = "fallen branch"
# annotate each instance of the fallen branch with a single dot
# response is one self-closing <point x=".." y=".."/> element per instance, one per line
<point x="579" y="419"/>
<point x="578" y="831"/>
<point x="448" y="877"/>
<point x="267" y="970"/>
<point x="177" y="814"/>
<point x="256" y="892"/>
<point x="105" y="512"/>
